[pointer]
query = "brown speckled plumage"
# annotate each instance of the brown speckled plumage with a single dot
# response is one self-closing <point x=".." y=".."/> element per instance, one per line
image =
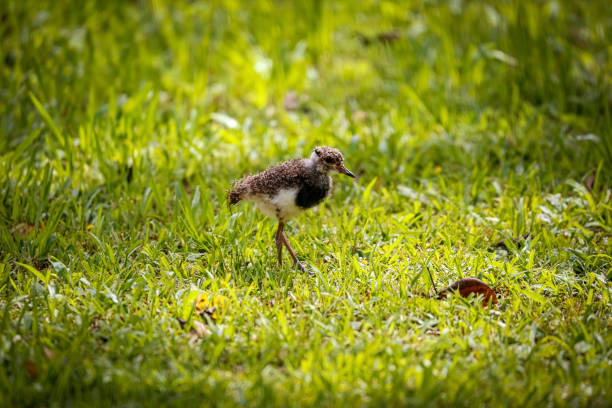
<point x="291" y="174"/>
<point x="285" y="175"/>
<point x="287" y="188"/>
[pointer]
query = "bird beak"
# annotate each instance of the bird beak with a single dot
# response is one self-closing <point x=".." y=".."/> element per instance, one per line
<point x="344" y="170"/>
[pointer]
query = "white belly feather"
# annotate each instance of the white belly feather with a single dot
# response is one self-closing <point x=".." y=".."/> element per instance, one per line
<point x="282" y="205"/>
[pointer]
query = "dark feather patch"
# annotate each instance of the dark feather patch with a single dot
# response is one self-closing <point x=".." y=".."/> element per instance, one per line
<point x="311" y="194"/>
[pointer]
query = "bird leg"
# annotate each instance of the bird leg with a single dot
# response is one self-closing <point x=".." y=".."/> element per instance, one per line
<point x="295" y="260"/>
<point x="279" y="242"/>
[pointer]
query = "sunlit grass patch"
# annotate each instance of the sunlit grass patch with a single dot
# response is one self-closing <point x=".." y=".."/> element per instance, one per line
<point x="480" y="133"/>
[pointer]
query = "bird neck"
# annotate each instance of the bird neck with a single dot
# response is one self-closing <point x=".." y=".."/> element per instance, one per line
<point x="316" y="164"/>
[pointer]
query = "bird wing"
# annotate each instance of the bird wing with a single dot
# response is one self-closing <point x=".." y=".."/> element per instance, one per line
<point x="284" y="175"/>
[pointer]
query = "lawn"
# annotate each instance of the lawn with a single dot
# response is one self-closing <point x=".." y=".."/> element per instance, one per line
<point x="481" y="134"/>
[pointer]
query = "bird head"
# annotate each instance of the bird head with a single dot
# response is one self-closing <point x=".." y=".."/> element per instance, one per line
<point x="329" y="159"/>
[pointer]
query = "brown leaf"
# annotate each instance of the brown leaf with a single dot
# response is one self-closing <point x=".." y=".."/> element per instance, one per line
<point x="471" y="285"/>
<point x="31" y="369"/>
<point x="22" y="230"/>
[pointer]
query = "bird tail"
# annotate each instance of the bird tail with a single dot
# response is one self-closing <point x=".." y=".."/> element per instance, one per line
<point x="236" y="194"/>
<point x="234" y="197"/>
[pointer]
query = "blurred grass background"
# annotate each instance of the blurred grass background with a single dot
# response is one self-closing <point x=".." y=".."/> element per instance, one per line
<point x="122" y="125"/>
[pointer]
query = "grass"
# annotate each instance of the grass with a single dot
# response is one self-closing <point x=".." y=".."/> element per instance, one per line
<point x="481" y="132"/>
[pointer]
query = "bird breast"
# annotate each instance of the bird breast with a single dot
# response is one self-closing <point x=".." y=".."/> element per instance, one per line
<point x="312" y="192"/>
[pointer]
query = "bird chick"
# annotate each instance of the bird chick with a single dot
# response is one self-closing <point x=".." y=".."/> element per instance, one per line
<point x="285" y="190"/>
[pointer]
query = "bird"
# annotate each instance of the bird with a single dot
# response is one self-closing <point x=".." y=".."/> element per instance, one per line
<point x="285" y="190"/>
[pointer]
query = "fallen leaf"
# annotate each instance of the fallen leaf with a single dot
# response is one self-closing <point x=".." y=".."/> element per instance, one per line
<point x="471" y="285"/>
<point x="31" y="369"/>
<point x="22" y="230"/>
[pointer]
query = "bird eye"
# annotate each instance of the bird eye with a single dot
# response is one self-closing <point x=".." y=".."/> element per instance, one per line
<point x="329" y="160"/>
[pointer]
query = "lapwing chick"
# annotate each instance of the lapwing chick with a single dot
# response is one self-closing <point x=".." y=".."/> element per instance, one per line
<point x="284" y="190"/>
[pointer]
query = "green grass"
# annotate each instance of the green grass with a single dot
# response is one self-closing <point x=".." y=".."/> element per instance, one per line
<point x="123" y="124"/>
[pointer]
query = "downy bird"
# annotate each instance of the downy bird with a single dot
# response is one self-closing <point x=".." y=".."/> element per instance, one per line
<point x="285" y="190"/>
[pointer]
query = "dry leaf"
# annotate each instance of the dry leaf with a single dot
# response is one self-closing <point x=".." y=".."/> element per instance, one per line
<point x="31" y="369"/>
<point x="22" y="230"/>
<point x="471" y="285"/>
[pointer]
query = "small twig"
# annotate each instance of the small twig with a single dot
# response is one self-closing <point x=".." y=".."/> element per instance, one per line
<point x="431" y="278"/>
<point x="426" y="263"/>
